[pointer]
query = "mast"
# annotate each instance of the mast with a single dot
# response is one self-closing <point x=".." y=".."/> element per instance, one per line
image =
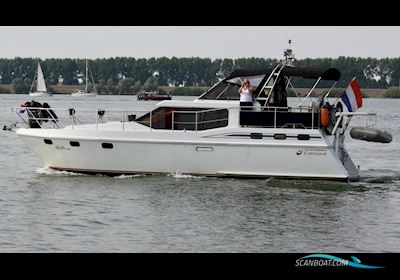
<point x="33" y="82"/>
<point x="289" y="56"/>
<point x="86" y="88"/>
<point x="93" y="84"/>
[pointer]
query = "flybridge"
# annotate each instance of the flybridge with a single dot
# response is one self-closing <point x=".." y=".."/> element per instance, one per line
<point x="270" y="85"/>
<point x="265" y="83"/>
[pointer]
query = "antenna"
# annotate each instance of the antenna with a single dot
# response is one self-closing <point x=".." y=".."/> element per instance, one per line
<point x="289" y="56"/>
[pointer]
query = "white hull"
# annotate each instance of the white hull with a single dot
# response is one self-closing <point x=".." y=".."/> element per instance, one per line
<point x="82" y="94"/>
<point x="190" y="153"/>
<point x="39" y="94"/>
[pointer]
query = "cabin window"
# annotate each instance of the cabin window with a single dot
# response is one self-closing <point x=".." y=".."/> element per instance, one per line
<point x="185" y="118"/>
<point x="201" y="120"/>
<point x="284" y="118"/>
<point x="228" y="89"/>
<point x="107" y="145"/>
<point x="74" y="143"/>
<point x="48" y="141"/>
<point x="223" y="91"/>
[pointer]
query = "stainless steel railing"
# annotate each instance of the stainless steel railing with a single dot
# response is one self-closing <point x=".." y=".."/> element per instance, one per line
<point x="71" y="117"/>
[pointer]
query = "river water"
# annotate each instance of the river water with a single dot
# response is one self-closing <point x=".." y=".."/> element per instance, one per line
<point x="42" y="210"/>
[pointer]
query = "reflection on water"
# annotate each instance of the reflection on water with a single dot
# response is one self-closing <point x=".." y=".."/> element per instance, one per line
<point x="44" y="210"/>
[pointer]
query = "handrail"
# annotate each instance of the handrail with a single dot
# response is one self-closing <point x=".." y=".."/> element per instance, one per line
<point x="70" y="115"/>
<point x="201" y="111"/>
<point x="340" y="116"/>
<point x="311" y="90"/>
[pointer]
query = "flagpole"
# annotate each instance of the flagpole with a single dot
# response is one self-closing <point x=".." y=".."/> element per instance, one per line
<point x="337" y="100"/>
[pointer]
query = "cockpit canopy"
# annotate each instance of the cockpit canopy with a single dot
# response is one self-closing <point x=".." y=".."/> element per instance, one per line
<point x="227" y="89"/>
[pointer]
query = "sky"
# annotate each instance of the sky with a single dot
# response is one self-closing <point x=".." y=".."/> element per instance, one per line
<point x="198" y="41"/>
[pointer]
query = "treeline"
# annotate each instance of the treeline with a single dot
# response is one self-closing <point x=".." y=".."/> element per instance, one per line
<point x="126" y="74"/>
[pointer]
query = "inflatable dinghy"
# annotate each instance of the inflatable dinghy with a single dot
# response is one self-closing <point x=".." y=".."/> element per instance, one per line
<point x="370" y="134"/>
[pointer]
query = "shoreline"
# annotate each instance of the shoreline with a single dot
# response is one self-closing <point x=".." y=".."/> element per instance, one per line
<point x="196" y="91"/>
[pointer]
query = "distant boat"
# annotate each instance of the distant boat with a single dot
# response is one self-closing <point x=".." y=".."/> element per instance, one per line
<point x="152" y="95"/>
<point x="86" y="92"/>
<point x="41" y="89"/>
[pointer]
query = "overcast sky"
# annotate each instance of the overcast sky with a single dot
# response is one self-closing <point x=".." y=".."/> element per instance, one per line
<point x="188" y="41"/>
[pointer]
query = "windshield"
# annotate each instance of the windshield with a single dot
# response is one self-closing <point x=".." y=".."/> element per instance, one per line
<point x="254" y="80"/>
<point x="228" y="89"/>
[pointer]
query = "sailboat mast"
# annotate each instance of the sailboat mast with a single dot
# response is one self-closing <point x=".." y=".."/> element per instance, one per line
<point x="34" y="80"/>
<point x="86" y="88"/>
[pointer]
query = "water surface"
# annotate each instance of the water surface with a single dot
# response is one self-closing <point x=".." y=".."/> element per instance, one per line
<point x="42" y="210"/>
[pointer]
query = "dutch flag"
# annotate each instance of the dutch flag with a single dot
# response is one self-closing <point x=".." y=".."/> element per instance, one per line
<point x="352" y="96"/>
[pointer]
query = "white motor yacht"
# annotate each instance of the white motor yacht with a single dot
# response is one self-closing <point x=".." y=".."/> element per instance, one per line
<point x="210" y="136"/>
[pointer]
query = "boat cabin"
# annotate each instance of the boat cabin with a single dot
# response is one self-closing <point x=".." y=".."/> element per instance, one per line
<point x="219" y="106"/>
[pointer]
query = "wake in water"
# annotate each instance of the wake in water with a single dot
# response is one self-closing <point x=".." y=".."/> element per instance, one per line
<point x="180" y="175"/>
<point x="380" y="176"/>
<point x="368" y="177"/>
<point x="51" y="171"/>
<point x="54" y="172"/>
<point x="373" y="176"/>
<point x="124" y="176"/>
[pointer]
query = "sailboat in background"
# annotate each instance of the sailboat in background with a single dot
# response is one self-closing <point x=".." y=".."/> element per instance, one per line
<point x="86" y="92"/>
<point x="41" y="89"/>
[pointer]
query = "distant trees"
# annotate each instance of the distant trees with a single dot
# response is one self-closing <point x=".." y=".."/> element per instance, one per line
<point x="151" y="84"/>
<point x="128" y="86"/>
<point x="121" y="75"/>
<point x="20" y="85"/>
<point x="4" y="89"/>
<point x="392" y="92"/>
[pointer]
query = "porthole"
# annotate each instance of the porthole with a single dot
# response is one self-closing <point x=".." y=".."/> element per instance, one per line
<point x="256" y="135"/>
<point x="107" y="145"/>
<point x="280" y="136"/>
<point x="303" y="137"/>
<point x="74" y="143"/>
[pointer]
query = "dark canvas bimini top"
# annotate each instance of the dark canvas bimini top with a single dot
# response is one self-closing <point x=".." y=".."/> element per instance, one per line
<point x="227" y="89"/>
<point x="330" y="74"/>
